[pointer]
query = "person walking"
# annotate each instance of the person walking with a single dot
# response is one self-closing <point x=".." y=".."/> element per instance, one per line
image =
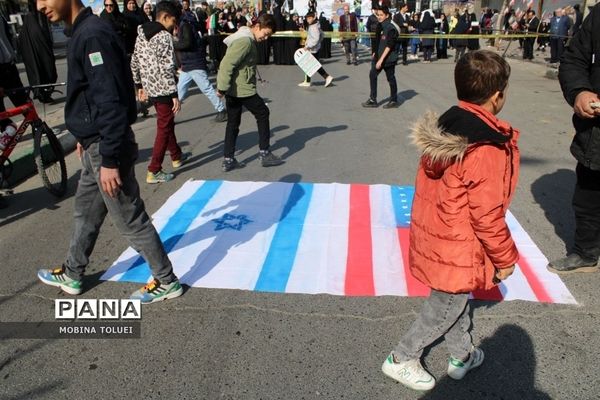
<point x="99" y="112"/>
<point x="313" y="44"/>
<point x="154" y="74"/>
<point x="236" y="81"/>
<point x="384" y="58"/>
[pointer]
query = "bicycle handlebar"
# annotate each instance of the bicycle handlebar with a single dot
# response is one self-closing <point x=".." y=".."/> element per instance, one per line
<point x="33" y="87"/>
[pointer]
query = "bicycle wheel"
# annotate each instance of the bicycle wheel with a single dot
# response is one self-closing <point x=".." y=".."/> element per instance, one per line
<point x="49" y="159"/>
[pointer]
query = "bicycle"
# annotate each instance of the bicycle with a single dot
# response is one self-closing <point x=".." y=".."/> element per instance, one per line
<point x="48" y="153"/>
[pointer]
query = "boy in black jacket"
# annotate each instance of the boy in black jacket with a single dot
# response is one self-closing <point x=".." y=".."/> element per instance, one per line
<point x="99" y="111"/>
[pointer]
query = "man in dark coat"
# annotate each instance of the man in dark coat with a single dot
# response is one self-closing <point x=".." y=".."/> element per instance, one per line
<point x="36" y="49"/>
<point x="402" y="19"/>
<point x="531" y="28"/>
<point x="579" y="78"/>
<point x="349" y="26"/>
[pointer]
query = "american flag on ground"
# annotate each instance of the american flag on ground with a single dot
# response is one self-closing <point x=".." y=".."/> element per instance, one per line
<point x="341" y="239"/>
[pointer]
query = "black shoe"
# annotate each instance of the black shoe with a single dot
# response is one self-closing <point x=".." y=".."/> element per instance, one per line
<point x="571" y="264"/>
<point x="348" y="62"/>
<point x="391" y="104"/>
<point x="268" y="159"/>
<point x="221" y="116"/>
<point x="3" y="202"/>
<point x="355" y="62"/>
<point x="370" y="103"/>
<point x="231" y="163"/>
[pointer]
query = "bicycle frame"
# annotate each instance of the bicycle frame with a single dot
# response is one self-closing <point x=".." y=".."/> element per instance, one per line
<point x="31" y="118"/>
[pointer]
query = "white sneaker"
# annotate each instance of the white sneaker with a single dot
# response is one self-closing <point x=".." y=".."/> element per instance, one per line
<point x="328" y="81"/>
<point x="457" y="369"/>
<point x="304" y="84"/>
<point x="409" y="373"/>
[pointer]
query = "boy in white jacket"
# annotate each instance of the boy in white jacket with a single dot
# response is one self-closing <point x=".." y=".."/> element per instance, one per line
<point x="313" y="44"/>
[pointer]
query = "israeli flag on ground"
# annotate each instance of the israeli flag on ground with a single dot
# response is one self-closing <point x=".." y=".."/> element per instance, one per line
<point x="341" y="239"/>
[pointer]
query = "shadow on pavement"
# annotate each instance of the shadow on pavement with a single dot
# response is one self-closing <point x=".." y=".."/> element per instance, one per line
<point x="554" y="192"/>
<point x="508" y="371"/>
<point x="297" y="141"/>
<point x="22" y="204"/>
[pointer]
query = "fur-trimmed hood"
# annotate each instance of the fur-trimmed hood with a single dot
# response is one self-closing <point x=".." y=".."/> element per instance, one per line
<point x="446" y="139"/>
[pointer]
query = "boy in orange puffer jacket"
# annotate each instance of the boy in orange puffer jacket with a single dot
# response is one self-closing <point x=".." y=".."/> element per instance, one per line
<point x="459" y="240"/>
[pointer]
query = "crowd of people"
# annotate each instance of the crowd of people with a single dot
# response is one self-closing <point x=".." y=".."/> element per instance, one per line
<point x="459" y="239"/>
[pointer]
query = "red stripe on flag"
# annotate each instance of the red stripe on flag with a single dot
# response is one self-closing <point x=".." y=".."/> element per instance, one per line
<point x="413" y="286"/>
<point x="359" y="265"/>
<point x="493" y="294"/>
<point x="536" y="285"/>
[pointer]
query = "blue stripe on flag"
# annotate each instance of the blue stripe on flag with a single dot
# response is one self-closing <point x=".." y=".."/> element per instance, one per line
<point x="282" y="252"/>
<point x="175" y="228"/>
<point x="402" y="198"/>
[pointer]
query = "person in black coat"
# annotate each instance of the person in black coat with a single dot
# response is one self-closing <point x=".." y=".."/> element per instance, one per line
<point x="112" y="14"/>
<point x="402" y="19"/>
<point x="135" y="17"/>
<point x="326" y="26"/>
<point x="36" y="49"/>
<point x="442" y="44"/>
<point x="579" y="78"/>
<point x="427" y="27"/>
<point x="531" y="27"/>
<point x="462" y="27"/>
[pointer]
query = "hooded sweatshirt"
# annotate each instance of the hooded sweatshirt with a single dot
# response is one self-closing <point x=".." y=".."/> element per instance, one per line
<point x="153" y="62"/>
<point x="465" y="181"/>
<point x="237" y="71"/>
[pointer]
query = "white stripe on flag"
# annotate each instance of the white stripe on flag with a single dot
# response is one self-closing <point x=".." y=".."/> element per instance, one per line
<point x="320" y="263"/>
<point x="230" y="258"/>
<point x="388" y="271"/>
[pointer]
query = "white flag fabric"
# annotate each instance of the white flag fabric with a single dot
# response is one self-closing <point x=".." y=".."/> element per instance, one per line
<point x="341" y="239"/>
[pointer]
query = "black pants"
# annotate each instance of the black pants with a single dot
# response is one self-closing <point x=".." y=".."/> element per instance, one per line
<point x="404" y="45"/>
<point x="557" y="46"/>
<point x="528" y="48"/>
<point x="586" y="205"/>
<point x="9" y="79"/>
<point x="390" y="73"/>
<point x="256" y="105"/>
<point x="321" y="72"/>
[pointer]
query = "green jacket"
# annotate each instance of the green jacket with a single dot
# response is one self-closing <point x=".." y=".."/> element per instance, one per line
<point x="237" y="71"/>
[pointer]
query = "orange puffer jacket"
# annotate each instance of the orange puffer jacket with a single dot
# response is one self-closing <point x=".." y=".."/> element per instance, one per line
<point x="465" y="181"/>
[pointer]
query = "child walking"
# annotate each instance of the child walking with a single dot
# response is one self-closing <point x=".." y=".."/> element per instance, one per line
<point x="313" y="44"/>
<point x="153" y="68"/>
<point x="236" y="81"/>
<point x="459" y="240"/>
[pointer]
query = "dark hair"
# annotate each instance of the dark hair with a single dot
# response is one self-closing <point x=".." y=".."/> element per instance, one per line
<point x="530" y="11"/>
<point x="400" y="5"/>
<point x="310" y="14"/>
<point x="267" y="21"/>
<point x="385" y="9"/>
<point x="169" y="8"/>
<point x="479" y="74"/>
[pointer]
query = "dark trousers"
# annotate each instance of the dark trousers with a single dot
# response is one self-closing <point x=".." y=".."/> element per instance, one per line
<point x="256" y="105"/>
<point x="586" y="205"/>
<point x="9" y="79"/>
<point x="528" y="48"/>
<point x="321" y="72"/>
<point x="403" y="44"/>
<point x="557" y="46"/>
<point x="390" y="73"/>
<point x="165" y="137"/>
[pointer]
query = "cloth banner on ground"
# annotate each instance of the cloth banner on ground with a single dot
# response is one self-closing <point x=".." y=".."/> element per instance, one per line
<point x="341" y="239"/>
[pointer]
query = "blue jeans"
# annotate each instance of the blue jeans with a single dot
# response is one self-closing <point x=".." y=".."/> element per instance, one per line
<point x="201" y="78"/>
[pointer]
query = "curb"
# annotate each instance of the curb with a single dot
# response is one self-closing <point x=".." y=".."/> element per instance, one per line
<point x="23" y="163"/>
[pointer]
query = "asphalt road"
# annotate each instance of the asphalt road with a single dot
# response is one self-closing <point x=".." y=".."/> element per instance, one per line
<point x="227" y="344"/>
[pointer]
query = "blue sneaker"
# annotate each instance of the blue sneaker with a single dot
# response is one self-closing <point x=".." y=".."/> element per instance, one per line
<point x="57" y="277"/>
<point x="155" y="291"/>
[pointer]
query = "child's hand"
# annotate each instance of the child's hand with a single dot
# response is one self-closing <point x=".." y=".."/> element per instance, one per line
<point x="502" y="274"/>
